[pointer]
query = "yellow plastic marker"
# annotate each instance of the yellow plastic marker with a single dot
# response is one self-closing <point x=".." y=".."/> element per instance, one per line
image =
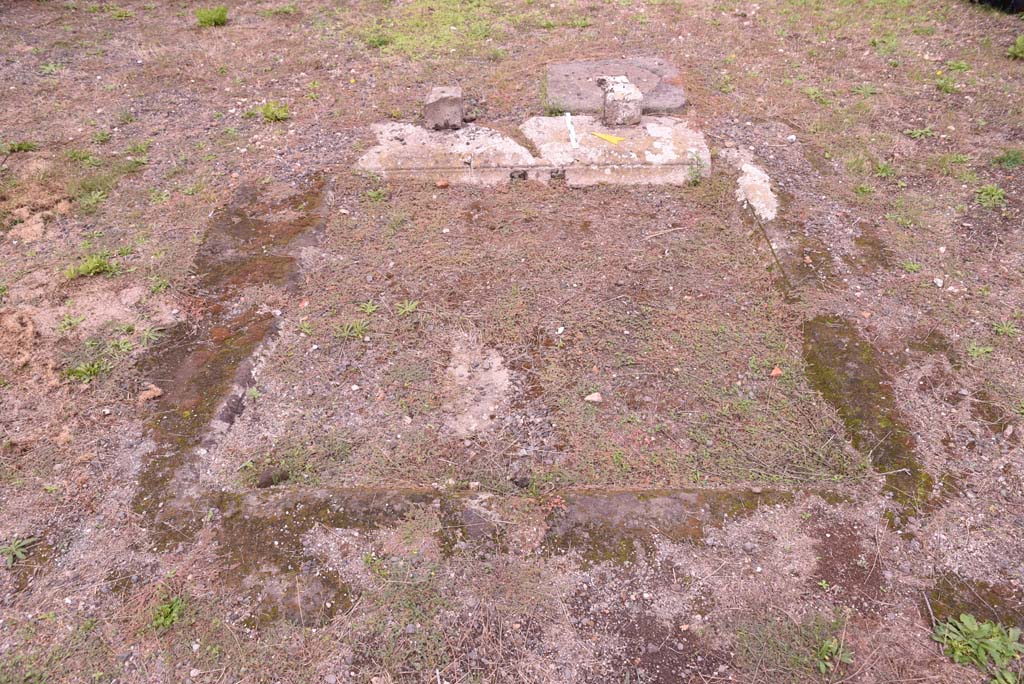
<point x="613" y="139"/>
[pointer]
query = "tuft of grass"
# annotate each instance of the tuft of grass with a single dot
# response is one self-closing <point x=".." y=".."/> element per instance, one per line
<point x="368" y="307"/>
<point x="816" y="95"/>
<point x="212" y="16"/>
<point x="407" y="307"/>
<point x="84" y="157"/>
<point x="1010" y="159"/>
<point x="280" y="11"/>
<point x="50" y="68"/>
<point x="990" y="196"/>
<point x="16" y="147"/>
<point x="4" y="289"/>
<point x="101" y="137"/>
<point x="377" y="195"/>
<point x="1006" y="329"/>
<point x="978" y="351"/>
<point x="958" y="66"/>
<point x="69" y="322"/>
<point x="865" y="90"/>
<point x="419" y="28"/>
<point x="97" y="263"/>
<point x="1016" y="51"/>
<point x="945" y="84"/>
<point x="352" y="330"/>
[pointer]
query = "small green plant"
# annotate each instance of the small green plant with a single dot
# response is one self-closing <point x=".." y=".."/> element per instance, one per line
<point x="50" y="68"/>
<point x="1010" y="159"/>
<point x="919" y="133"/>
<point x="87" y="371"/>
<point x="4" y="289"/>
<point x="69" y="322"/>
<point x="1019" y="408"/>
<point x="978" y="351"/>
<point x="885" y="170"/>
<point x="158" y="284"/>
<point x="280" y="11"/>
<point x="101" y="137"/>
<point x="990" y="196"/>
<point x="167" y="614"/>
<point x="831" y="654"/>
<point x="863" y="190"/>
<point x="945" y="84"/>
<point x="150" y="336"/>
<point x="84" y="157"/>
<point x="553" y="109"/>
<point x="579" y="22"/>
<point x="377" y="195"/>
<point x="97" y="263"/>
<point x="824" y="585"/>
<point x="159" y="195"/>
<point x="16" y="550"/>
<point x="1016" y="51"/>
<point x="865" y="90"/>
<point x="988" y="646"/>
<point x="90" y="200"/>
<point x="120" y="347"/>
<point x="139" y="148"/>
<point x="911" y="266"/>
<point x="407" y="307"/>
<point x="274" y="111"/>
<point x="305" y="328"/>
<point x="816" y="95"/>
<point x="212" y="16"/>
<point x="369" y="307"/>
<point x="1006" y="329"/>
<point x="958" y="65"/>
<point x="352" y="330"/>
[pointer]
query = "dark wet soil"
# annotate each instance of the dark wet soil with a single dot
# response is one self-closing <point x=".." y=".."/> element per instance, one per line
<point x="615" y="526"/>
<point x="953" y="595"/>
<point x="848" y="372"/>
<point x="203" y="366"/>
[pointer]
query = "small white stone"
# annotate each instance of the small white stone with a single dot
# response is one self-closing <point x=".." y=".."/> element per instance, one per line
<point x="938" y="282"/>
<point x="791" y="138"/>
<point x="594" y="398"/>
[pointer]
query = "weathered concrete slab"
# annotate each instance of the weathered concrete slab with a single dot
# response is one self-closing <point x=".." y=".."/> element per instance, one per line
<point x="661" y="150"/>
<point x="471" y="155"/>
<point x="573" y="86"/>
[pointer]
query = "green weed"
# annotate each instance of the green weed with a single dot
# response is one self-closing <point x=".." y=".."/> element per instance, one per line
<point x="97" y="263"/>
<point x="816" y="95"/>
<point x="368" y="307"/>
<point x="1010" y="159"/>
<point x="87" y="371"/>
<point x="1016" y="51"/>
<point x="1006" y="329"/>
<point x="69" y="322"/>
<point x="990" y="196"/>
<point x="945" y="84"/>
<point x="352" y="330"/>
<point x="275" y="111"/>
<point x="885" y="170"/>
<point x="16" y="550"/>
<point x="377" y="195"/>
<point x="919" y="133"/>
<point x="865" y="90"/>
<point x="407" y="307"/>
<point x="988" y="646"/>
<point x="167" y="614"/>
<point x="978" y="351"/>
<point x="911" y="266"/>
<point x="212" y="16"/>
<point x="101" y="137"/>
<point x="831" y="654"/>
<point x="50" y="68"/>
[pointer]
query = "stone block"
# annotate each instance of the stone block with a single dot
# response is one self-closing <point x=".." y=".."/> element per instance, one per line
<point x="623" y="101"/>
<point x="443" y="108"/>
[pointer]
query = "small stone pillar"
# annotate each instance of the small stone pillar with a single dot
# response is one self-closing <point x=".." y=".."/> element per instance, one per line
<point x="623" y="101"/>
<point x="443" y="108"/>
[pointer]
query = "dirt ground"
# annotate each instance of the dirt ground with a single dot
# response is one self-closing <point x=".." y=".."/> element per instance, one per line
<point x="266" y="418"/>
